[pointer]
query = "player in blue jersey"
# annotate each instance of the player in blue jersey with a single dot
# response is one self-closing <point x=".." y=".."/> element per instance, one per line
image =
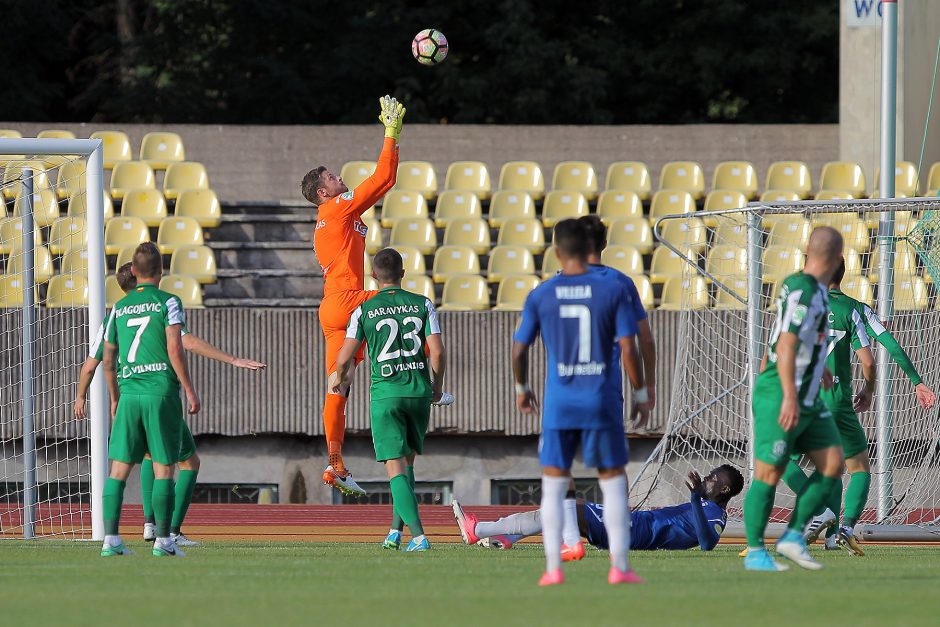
<point x="697" y="523"/>
<point x="581" y="316"/>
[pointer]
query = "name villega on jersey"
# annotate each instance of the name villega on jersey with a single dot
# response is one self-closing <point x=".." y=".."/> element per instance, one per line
<point x="588" y="368"/>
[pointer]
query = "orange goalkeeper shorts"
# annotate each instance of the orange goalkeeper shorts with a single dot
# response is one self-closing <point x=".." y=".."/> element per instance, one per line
<point x="335" y="310"/>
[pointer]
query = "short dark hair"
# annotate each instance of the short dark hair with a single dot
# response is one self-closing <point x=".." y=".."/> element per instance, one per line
<point x="126" y="278"/>
<point x="571" y="238"/>
<point x="311" y="183"/>
<point x="596" y="233"/>
<point x="839" y="274"/>
<point x="147" y="261"/>
<point x="734" y="478"/>
<point x="388" y="266"/>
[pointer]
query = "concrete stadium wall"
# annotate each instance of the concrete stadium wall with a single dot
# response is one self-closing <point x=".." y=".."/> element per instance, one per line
<point x="268" y="162"/>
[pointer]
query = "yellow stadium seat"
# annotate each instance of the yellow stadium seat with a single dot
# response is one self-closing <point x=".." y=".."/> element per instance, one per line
<point x="400" y="204"/>
<point x="176" y="232"/>
<point x="146" y="204"/>
<point x="125" y="255"/>
<point x="354" y="173"/>
<point x="11" y="235"/>
<point x="905" y="262"/>
<point x="67" y="234"/>
<point x="910" y="294"/>
<point x="560" y="205"/>
<point x="112" y="291"/>
<point x="634" y="232"/>
<point x="184" y="175"/>
<point x="854" y="234"/>
<point x="833" y="194"/>
<point x="683" y="175"/>
<point x="737" y="176"/>
<point x="75" y="261"/>
<point x="522" y="176"/>
<point x="513" y="290"/>
<point x="469" y="176"/>
<point x="684" y="293"/>
<point x="417" y="176"/>
<point x="472" y="232"/>
<point x="667" y="264"/>
<point x="116" y="147"/>
<point x="858" y="287"/>
<point x="373" y="236"/>
<point x="12" y="175"/>
<point x="455" y="203"/>
<point x="730" y="233"/>
<point x="123" y="232"/>
<point x="367" y="264"/>
<point x="509" y="260"/>
<point x="55" y="134"/>
<point x="45" y="207"/>
<point x="624" y="258"/>
<point x="905" y="180"/>
<point x="411" y="258"/>
<point x="670" y="201"/>
<point x="200" y="204"/>
<point x="793" y="232"/>
<point x="67" y="291"/>
<point x="645" y="289"/>
<point x="77" y="207"/>
<point x="727" y="262"/>
<point x="507" y="204"/>
<point x="629" y="176"/>
<point x="933" y="182"/>
<point x="689" y="233"/>
<point x="465" y="293"/>
<point x="725" y="300"/>
<point x="11" y="289"/>
<point x="576" y="176"/>
<point x="160" y="149"/>
<point x="779" y="195"/>
<point x="903" y="222"/>
<point x="42" y="264"/>
<point x="129" y="175"/>
<point x="454" y="260"/>
<point x="779" y="262"/>
<point x="615" y="204"/>
<point x="369" y="283"/>
<point x="853" y="261"/>
<point x="185" y="287"/>
<point x="720" y="200"/>
<point x="9" y="133"/>
<point x="195" y="261"/>
<point x="550" y="263"/>
<point x="70" y="179"/>
<point x="419" y="284"/>
<point x="417" y="232"/>
<point x="527" y="232"/>
<point x="791" y="176"/>
<point x="843" y="176"/>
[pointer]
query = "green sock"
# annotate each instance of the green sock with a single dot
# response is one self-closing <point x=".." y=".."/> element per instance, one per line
<point x="811" y="501"/>
<point x="397" y="522"/>
<point x="185" y="483"/>
<point x="834" y="503"/>
<point x="112" y="498"/>
<point x="856" y="495"/>
<point x="406" y="504"/>
<point x="794" y="477"/>
<point x="758" y="504"/>
<point x="163" y="506"/>
<point x="146" y="488"/>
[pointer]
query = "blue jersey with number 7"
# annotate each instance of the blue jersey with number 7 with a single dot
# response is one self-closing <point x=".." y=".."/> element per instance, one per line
<point x="581" y="317"/>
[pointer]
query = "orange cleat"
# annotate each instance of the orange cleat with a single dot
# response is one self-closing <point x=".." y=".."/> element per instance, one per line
<point x="572" y="553"/>
<point x="623" y="576"/>
<point x="553" y="578"/>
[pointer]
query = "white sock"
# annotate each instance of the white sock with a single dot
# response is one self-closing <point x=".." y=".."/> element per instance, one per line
<point x="113" y="540"/>
<point x="418" y="539"/>
<point x="394" y="531"/>
<point x="521" y="524"/>
<point x="553" y="495"/>
<point x="617" y="520"/>
<point x="570" y="533"/>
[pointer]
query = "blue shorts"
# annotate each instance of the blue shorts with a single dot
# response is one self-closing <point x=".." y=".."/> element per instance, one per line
<point x="596" y="532"/>
<point x="600" y="448"/>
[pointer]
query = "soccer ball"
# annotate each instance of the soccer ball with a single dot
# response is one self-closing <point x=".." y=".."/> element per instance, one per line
<point x="429" y="47"/>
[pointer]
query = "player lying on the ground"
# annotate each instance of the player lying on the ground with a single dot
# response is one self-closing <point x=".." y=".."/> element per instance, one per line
<point x="698" y="523"/>
<point x="189" y="459"/>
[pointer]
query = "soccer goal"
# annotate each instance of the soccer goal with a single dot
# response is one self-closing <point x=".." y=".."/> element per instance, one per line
<point x="52" y="300"/>
<point x="735" y="261"/>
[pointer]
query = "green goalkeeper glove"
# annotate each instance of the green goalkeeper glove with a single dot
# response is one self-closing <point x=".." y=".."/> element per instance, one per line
<point x="391" y="116"/>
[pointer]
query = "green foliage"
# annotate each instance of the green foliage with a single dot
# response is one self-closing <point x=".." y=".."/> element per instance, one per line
<point x="510" y="62"/>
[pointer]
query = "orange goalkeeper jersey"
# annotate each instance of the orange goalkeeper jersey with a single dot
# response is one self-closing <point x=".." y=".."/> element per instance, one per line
<point x="339" y="239"/>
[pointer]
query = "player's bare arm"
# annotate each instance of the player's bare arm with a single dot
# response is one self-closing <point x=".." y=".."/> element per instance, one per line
<point x="786" y="366"/>
<point x="525" y="399"/>
<point x="201" y="347"/>
<point x="629" y="356"/>
<point x="437" y="357"/>
<point x="84" y="382"/>
<point x="648" y="352"/>
<point x="866" y="360"/>
<point x="108" y="361"/>
<point x="174" y="347"/>
<point x="342" y="378"/>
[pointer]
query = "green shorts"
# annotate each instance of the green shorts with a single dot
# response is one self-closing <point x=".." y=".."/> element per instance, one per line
<point x="188" y="445"/>
<point x="399" y="426"/>
<point x="147" y="424"/>
<point x="816" y="429"/>
<point x="854" y="440"/>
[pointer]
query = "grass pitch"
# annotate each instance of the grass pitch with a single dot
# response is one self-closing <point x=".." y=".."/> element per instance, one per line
<point x="63" y="583"/>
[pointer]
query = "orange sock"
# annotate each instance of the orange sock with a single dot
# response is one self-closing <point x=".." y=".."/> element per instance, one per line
<point x="334" y="424"/>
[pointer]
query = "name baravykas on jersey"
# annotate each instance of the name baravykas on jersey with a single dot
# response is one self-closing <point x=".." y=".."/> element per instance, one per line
<point x="572" y="292"/>
<point x="397" y="310"/>
<point x="140" y="308"/>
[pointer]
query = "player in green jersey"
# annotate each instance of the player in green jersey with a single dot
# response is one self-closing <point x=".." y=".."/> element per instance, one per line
<point x="142" y="338"/>
<point x="397" y="325"/>
<point x="788" y="415"/>
<point x="189" y="460"/>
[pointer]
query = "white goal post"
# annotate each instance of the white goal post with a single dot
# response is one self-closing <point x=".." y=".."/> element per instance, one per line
<point x="54" y="468"/>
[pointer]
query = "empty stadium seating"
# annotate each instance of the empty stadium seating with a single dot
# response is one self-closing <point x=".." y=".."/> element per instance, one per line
<point x="42" y="264"/>
<point x="469" y="176"/>
<point x="792" y="176"/>
<point x="419" y="284"/>
<point x="374" y="236"/>
<point x="844" y="176"/>
<point x="12" y="175"/>
<point x="78" y="209"/>
<point x="858" y="287"/>
<point x="146" y="204"/>
<point x="667" y="264"/>
<point x="400" y="204"/>
<point x="910" y="294"/>
<point x="551" y="265"/>
<point x="195" y="261"/>
<point x="184" y="175"/>
<point x="684" y="293"/>
<point x="45" y="206"/>
<point x="412" y="260"/>
<point x="523" y="176"/>
<point x="626" y="259"/>
<point x="355" y="172"/>
<point x="185" y="287"/>
<point x="66" y="234"/>
<point x="905" y="262"/>
<point x="131" y="175"/>
<point x="780" y="262"/>
<point x="200" y="204"/>
<point x="455" y="203"/>
<point x="689" y="233"/>
<point x="123" y="232"/>
<point x="738" y="176"/>
<point x="634" y="232"/>
<point x="509" y="260"/>
<point x="11" y="291"/>
<point x="75" y="261"/>
<point x="465" y="293"/>
<point x="116" y="147"/>
<point x="905" y="180"/>
<point x="513" y="291"/>
<point x="417" y="176"/>
<point x="631" y="176"/>
<point x="576" y="176"/>
<point x="527" y="232"/>
<point x="70" y="178"/>
<point x="175" y="232"/>
<point x="67" y="291"/>
<point x="112" y="290"/>
<point x="471" y="232"/>
<point x="683" y="175"/>
<point x="417" y="232"/>
<point x="11" y="235"/>
<point x="726" y="261"/>
<point x="507" y="204"/>
<point x="159" y="149"/>
<point x="727" y="300"/>
<point x="670" y="201"/>
<point x="561" y="204"/>
<point x="645" y="290"/>
<point x="615" y="204"/>
<point x="450" y="261"/>
<point x="793" y="232"/>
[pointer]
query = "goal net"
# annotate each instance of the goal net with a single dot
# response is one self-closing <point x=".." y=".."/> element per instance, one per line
<point x="51" y="303"/>
<point x="736" y="260"/>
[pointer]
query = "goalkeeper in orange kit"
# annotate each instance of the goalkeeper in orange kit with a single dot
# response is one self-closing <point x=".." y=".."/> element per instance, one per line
<point x="339" y="241"/>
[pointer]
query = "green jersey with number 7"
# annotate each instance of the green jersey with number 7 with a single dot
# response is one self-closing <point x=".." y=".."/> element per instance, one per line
<point x="137" y="326"/>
